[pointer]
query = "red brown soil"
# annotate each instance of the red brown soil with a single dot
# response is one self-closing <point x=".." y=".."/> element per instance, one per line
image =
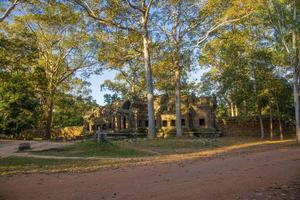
<point x="268" y="174"/>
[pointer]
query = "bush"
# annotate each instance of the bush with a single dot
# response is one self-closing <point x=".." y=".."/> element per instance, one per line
<point x="70" y="132"/>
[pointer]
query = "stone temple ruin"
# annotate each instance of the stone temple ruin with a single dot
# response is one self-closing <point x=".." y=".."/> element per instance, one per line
<point x="130" y="116"/>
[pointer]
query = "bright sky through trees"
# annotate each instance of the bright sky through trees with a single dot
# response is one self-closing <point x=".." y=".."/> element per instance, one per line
<point x="97" y="80"/>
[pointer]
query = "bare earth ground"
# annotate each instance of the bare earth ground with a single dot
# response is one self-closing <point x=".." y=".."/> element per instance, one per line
<point x="272" y="173"/>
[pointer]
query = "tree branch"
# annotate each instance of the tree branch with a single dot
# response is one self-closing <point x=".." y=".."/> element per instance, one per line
<point x="9" y="10"/>
<point x="216" y="26"/>
<point x="133" y="6"/>
<point x="148" y="9"/>
<point x="103" y="21"/>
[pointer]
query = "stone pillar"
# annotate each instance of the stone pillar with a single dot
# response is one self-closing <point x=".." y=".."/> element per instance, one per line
<point x="136" y="122"/>
<point x="131" y="120"/>
<point x="121" y="122"/>
<point x="112" y="122"/>
<point x="118" y="122"/>
<point x="90" y="127"/>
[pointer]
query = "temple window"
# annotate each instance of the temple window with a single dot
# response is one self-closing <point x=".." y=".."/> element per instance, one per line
<point x="146" y="123"/>
<point x="183" y="122"/>
<point x="201" y="122"/>
<point x="164" y="123"/>
<point x="124" y="122"/>
<point x="173" y="122"/>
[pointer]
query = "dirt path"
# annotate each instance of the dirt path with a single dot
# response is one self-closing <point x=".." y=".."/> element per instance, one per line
<point x="270" y="174"/>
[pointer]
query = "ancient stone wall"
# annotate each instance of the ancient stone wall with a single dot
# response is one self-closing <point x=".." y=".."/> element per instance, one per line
<point x="131" y="116"/>
<point x="251" y="127"/>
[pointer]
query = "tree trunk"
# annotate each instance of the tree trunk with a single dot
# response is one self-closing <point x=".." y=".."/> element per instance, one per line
<point x="280" y="129"/>
<point x="236" y="111"/>
<point x="296" y="102"/>
<point x="49" y="116"/>
<point x="232" y="109"/>
<point x="295" y="37"/>
<point x="279" y="122"/>
<point x="178" y="102"/>
<point x="262" y="132"/>
<point x="149" y="81"/>
<point x="271" y="124"/>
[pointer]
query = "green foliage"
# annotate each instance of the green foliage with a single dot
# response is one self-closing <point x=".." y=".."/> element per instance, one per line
<point x="69" y="110"/>
<point x="110" y="98"/>
<point x="19" y="103"/>
<point x="122" y="53"/>
<point x="19" y="106"/>
<point x="242" y="73"/>
<point x="40" y="52"/>
<point x="17" y="51"/>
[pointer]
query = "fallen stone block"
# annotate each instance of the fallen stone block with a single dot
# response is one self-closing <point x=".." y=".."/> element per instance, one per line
<point x="24" y="146"/>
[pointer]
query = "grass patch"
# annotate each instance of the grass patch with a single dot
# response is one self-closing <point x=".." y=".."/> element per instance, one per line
<point x="93" y="148"/>
<point x="142" y="147"/>
<point x="28" y="161"/>
<point x="16" y="165"/>
<point x="13" y="164"/>
<point x="133" y="147"/>
<point x="172" y="145"/>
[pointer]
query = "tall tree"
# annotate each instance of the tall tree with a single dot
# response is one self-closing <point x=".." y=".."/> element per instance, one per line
<point x="131" y="16"/>
<point x="176" y="19"/>
<point x="186" y="23"/>
<point x="63" y="47"/>
<point x="283" y="18"/>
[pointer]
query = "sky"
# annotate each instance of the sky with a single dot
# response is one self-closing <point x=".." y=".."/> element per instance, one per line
<point x="97" y="80"/>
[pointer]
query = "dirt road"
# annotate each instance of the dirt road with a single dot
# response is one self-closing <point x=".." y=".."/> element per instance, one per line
<point x="270" y="174"/>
